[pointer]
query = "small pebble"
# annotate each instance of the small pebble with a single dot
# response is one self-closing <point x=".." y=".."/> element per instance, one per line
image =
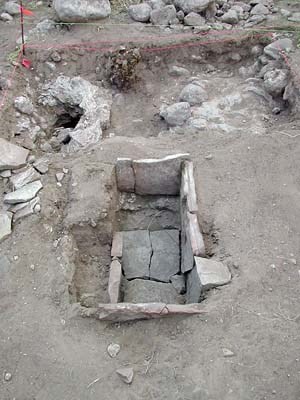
<point x="16" y="258"/>
<point x="227" y="353"/>
<point x="32" y="267"/>
<point x="7" y="376"/>
<point x="126" y="374"/>
<point x="59" y="176"/>
<point x="37" y="208"/>
<point x="113" y="350"/>
<point x="65" y="170"/>
<point x="208" y="157"/>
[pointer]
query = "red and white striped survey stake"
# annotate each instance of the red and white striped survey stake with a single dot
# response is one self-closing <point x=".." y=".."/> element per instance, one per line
<point x="23" y="11"/>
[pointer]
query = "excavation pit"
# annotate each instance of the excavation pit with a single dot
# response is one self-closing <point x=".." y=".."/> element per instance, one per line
<point x="158" y="256"/>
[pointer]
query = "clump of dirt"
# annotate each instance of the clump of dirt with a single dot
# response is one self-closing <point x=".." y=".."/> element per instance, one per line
<point x="122" y="64"/>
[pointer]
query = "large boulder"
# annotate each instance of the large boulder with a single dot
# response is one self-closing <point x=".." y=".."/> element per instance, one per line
<point x="164" y="16"/>
<point x="193" y="94"/>
<point x="81" y="10"/>
<point x="176" y="114"/>
<point x="140" y="12"/>
<point x="188" y="6"/>
<point x="275" y="81"/>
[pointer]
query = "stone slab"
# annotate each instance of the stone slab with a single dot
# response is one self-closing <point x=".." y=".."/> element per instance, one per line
<point x="125" y="175"/>
<point x="5" y="225"/>
<point x="114" y="282"/>
<point x="11" y="155"/>
<point x="159" y="176"/>
<point x="192" y="243"/>
<point x="206" y="275"/>
<point x="123" y="312"/>
<point x="137" y="253"/>
<point x="188" y="188"/>
<point x="165" y="261"/>
<point x="145" y="291"/>
<point x="117" y="245"/>
<point x="24" y="177"/>
<point x="212" y="273"/>
<point x="23" y="210"/>
<point x="24" y="194"/>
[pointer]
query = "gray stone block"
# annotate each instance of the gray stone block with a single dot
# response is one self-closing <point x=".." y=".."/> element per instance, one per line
<point x="125" y="175"/>
<point x="165" y="261"/>
<point x="145" y="291"/>
<point x="137" y="253"/>
<point x="159" y="176"/>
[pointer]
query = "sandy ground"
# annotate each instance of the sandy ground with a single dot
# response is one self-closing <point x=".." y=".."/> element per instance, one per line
<point x="248" y="195"/>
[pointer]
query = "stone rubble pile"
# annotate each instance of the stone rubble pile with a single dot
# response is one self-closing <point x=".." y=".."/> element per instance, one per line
<point x="216" y="14"/>
<point x="274" y="82"/>
<point x="25" y="182"/>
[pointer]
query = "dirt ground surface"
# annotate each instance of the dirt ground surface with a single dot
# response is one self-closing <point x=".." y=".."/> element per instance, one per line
<point x="247" y="177"/>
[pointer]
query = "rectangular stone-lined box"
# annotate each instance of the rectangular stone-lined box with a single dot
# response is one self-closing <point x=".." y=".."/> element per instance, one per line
<point x="148" y="263"/>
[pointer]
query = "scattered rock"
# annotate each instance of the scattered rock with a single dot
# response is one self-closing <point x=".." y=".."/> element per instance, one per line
<point x="81" y="10"/>
<point x="12" y="8"/>
<point x="5" y="225"/>
<point x="188" y="6"/>
<point x="55" y="56"/>
<point x="164" y="16"/>
<point x="295" y="17"/>
<point x="176" y="114"/>
<point x="11" y="156"/>
<point x="23" y="210"/>
<point x="140" y="12"/>
<point x="259" y="9"/>
<point x="6" y="173"/>
<point x="274" y="50"/>
<point x="24" y="194"/>
<point x="41" y="165"/>
<point x="275" y="81"/>
<point x="227" y="353"/>
<point x="193" y="94"/>
<point x="126" y="374"/>
<point x="178" y="281"/>
<point x="23" y="178"/>
<point x="113" y="349"/>
<point x="6" y="17"/>
<point x="230" y="17"/>
<point x="285" y="13"/>
<point x="146" y="291"/>
<point x="165" y="261"/>
<point x="24" y="105"/>
<point x="194" y="19"/>
<point x="178" y="71"/>
<point x="59" y="176"/>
